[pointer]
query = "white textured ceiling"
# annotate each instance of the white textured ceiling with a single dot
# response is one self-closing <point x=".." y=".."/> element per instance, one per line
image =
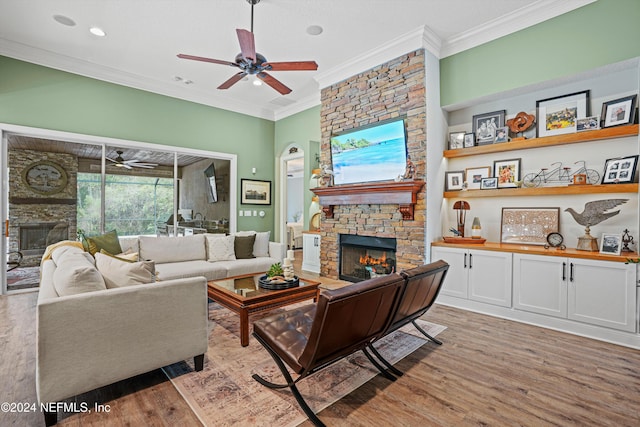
<point x="144" y="36"/>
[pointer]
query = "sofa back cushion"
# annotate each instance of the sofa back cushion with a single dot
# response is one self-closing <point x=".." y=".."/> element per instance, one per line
<point x="118" y="273"/>
<point x="75" y="273"/>
<point x="173" y="249"/>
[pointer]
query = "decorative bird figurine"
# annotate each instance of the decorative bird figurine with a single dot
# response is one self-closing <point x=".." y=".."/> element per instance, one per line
<point x="594" y="212"/>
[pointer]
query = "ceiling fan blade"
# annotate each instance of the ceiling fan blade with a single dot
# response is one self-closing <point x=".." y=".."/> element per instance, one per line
<point x="233" y="80"/>
<point x="203" y="59"/>
<point x="111" y="160"/>
<point x="144" y="165"/>
<point x="126" y="166"/>
<point x="291" y="66"/>
<point x="247" y="44"/>
<point x="274" y="83"/>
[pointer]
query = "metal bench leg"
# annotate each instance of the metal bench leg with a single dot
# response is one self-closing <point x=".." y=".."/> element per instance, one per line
<point x="386" y="363"/>
<point x="426" y="334"/>
<point x="377" y="365"/>
<point x="290" y="383"/>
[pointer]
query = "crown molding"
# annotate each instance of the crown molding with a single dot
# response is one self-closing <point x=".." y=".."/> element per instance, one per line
<point x="392" y="49"/>
<point x="100" y="72"/>
<point x="300" y="105"/>
<point x="512" y="22"/>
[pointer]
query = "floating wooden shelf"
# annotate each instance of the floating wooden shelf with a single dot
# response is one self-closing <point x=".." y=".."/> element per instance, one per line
<point x="544" y="191"/>
<point x="569" y="138"/>
<point x="403" y="193"/>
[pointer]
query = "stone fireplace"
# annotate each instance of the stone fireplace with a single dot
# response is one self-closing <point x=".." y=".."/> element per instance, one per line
<point x="392" y="210"/>
<point x="35" y="237"/>
<point x="365" y="257"/>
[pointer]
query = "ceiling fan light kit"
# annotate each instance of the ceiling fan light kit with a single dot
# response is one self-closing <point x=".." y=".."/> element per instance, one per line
<point x="253" y="63"/>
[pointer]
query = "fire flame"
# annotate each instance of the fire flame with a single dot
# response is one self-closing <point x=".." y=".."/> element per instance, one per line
<point x="369" y="260"/>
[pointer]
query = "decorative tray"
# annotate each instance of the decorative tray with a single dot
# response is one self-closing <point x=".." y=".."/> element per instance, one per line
<point x="463" y="240"/>
<point x="273" y="285"/>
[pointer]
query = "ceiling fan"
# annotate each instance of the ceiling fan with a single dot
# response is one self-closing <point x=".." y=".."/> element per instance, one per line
<point x="252" y="63"/>
<point x="119" y="162"/>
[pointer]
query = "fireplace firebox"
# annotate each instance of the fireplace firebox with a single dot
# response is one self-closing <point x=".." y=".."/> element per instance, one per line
<point x="364" y="257"/>
<point x="35" y="237"/>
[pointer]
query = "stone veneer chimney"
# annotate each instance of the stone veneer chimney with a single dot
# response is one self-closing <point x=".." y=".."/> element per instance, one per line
<point x="393" y="89"/>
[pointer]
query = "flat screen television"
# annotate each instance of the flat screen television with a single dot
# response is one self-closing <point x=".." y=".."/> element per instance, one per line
<point x="372" y="153"/>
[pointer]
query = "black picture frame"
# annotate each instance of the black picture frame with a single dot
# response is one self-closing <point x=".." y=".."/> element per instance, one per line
<point x="255" y="192"/>
<point x="469" y="139"/>
<point x="456" y="140"/>
<point x="618" y="112"/>
<point x="454" y="181"/>
<point x="485" y="126"/>
<point x="490" y="183"/>
<point x="559" y="115"/>
<point x="620" y="170"/>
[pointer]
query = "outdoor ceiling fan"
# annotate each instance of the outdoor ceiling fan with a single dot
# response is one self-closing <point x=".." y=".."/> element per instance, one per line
<point x="120" y="162"/>
<point x="251" y="62"/>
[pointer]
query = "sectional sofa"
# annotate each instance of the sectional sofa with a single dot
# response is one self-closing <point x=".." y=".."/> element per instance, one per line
<point x="102" y="318"/>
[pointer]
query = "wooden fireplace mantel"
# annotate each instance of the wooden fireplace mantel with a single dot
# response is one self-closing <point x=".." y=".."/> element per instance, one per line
<point x="403" y="193"/>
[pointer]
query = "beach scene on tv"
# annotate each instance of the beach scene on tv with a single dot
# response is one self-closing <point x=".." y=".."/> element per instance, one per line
<point x="373" y="154"/>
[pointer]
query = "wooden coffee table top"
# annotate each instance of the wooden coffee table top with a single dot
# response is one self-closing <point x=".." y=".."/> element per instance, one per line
<point x="244" y="289"/>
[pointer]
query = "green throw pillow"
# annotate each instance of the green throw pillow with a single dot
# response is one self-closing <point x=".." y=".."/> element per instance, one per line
<point x="108" y="241"/>
<point x="243" y="246"/>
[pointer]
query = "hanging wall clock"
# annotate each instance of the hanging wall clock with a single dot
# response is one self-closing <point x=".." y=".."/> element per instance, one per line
<point x="45" y="177"/>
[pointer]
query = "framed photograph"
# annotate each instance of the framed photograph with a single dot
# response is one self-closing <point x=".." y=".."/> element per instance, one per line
<point x="620" y="170"/>
<point x="502" y="135"/>
<point x="489" y="183"/>
<point x="255" y="192"/>
<point x="469" y="140"/>
<point x="454" y="180"/>
<point x="507" y="172"/>
<point x="610" y="244"/>
<point x="473" y="176"/>
<point x="559" y="115"/>
<point x="485" y="126"/>
<point x="588" y="123"/>
<point x="580" y="179"/>
<point x="619" y="111"/>
<point x="456" y="140"/>
<point x="528" y="226"/>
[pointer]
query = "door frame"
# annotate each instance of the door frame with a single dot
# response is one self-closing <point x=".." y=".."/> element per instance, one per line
<point x="281" y="216"/>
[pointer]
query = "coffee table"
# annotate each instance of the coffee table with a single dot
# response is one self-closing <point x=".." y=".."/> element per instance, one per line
<point x="242" y="295"/>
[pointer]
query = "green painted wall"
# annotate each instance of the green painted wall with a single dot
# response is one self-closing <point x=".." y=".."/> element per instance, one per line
<point x="603" y="32"/>
<point x="32" y="95"/>
<point x="303" y="129"/>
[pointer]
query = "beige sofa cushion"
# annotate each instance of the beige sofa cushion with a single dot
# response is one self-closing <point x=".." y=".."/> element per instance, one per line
<point x="220" y="248"/>
<point x="76" y="273"/>
<point x="118" y="273"/>
<point x="172" y="249"/>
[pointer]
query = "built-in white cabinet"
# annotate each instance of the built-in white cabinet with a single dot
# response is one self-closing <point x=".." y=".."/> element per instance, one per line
<point x="311" y="252"/>
<point x="483" y="276"/>
<point x="597" y="292"/>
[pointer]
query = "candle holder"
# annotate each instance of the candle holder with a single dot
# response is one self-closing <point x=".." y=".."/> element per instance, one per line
<point x="627" y="239"/>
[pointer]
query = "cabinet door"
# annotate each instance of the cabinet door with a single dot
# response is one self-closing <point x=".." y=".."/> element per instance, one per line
<point x="455" y="284"/>
<point x="311" y="252"/>
<point x="490" y="277"/>
<point x="603" y="293"/>
<point x="540" y="284"/>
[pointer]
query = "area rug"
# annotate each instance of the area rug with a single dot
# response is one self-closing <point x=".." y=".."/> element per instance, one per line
<point x="23" y="277"/>
<point x="224" y="394"/>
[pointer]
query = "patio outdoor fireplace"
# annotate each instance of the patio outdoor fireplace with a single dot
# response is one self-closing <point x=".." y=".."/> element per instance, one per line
<point x="364" y="257"/>
<point x="35" y="237"/>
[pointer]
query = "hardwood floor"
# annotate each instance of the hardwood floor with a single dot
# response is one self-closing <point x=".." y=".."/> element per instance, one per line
<point x="489" y="371"/>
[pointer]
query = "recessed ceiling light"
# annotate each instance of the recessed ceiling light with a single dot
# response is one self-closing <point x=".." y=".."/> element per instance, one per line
<point x="314" y="30"/>
<point x="96" y="31"/>
<point x="257" y="82"/>
<point x="64" y="20"/>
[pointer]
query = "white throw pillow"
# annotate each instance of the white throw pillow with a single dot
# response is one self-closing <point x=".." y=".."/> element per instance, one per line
<point x="261" y="245"/>
<point x="221" y="248"/>
<point x="76" y="274"/>
<point x="118" y="273"/>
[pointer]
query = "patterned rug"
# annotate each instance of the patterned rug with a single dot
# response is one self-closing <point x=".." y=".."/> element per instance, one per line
<point x="224" y="394"/>
<point x="23" y="278"/>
